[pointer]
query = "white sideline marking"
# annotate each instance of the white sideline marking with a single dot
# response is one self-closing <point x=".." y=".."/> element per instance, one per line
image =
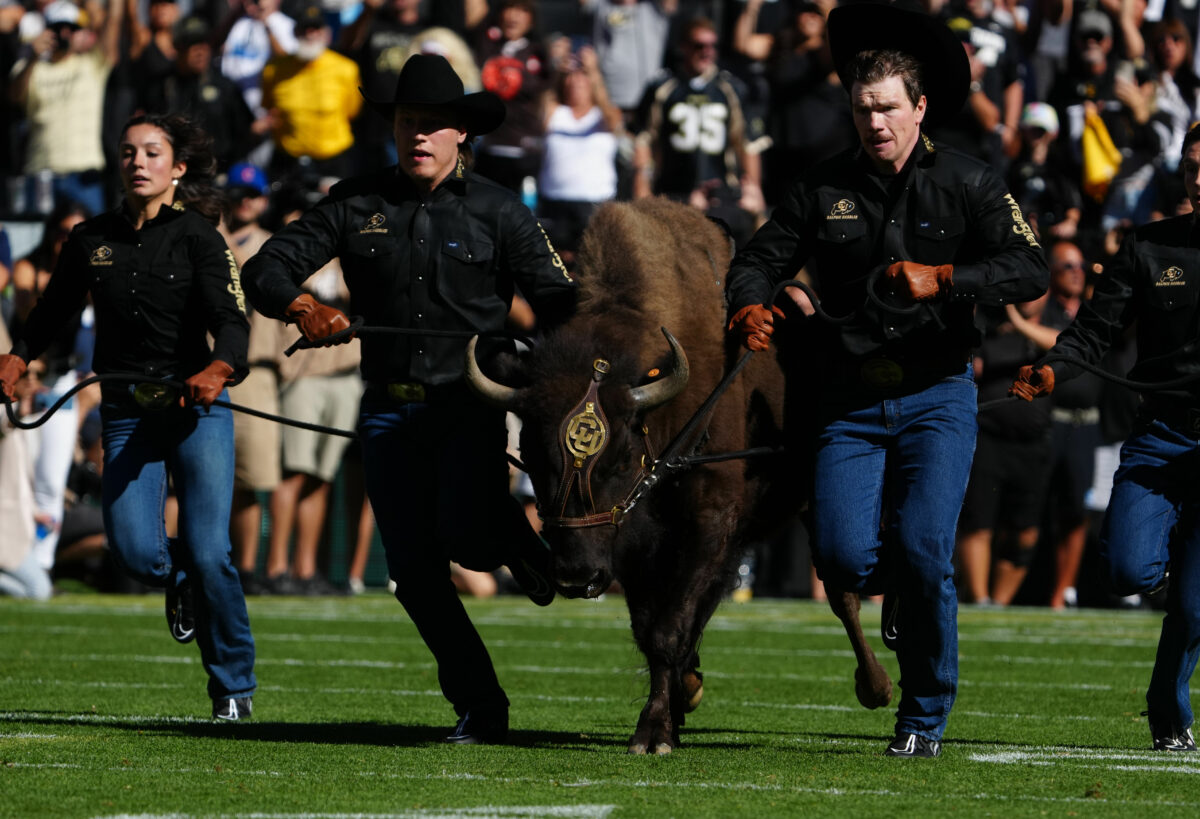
<point x="485" y="812"/>
<point x="28" y="735"/>
<point x="1147" y="760"/>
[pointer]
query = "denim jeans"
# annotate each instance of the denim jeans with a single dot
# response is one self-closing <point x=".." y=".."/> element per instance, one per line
<point x="194" y="446"/>
<point x="1152" y="525"/>
<point x="889" y="484"/>
<point x="437" y="478"/>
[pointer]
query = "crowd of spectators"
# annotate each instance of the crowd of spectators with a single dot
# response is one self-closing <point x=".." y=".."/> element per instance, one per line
<point x="1080" y="104"/>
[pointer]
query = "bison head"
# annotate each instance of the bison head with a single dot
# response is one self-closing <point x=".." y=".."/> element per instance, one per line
<point x="585" y="445"/>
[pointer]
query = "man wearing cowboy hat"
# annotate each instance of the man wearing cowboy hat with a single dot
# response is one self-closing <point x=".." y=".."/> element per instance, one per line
<point x="427" y="245"/>
<point x="931" y="232"/>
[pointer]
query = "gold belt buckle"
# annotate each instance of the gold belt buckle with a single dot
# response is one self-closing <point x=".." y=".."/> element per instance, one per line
<point x="408" y="393"/>
<point x="881" y="373"/>
<point x="153" y="396"/>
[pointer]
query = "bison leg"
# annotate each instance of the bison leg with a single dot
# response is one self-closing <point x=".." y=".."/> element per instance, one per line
<point x="669" y="636"/>
<point x="872" y="685"/>
<point x="656" y="731"/>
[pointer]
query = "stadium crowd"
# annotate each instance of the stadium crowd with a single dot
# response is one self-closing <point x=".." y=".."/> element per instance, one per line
<point x="1080" y="105"/>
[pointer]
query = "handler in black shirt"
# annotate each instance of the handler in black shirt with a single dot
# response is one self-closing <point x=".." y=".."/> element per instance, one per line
<point x="1151" y="532"/>
<point x="161" y="278"/>
<point x="428" y="245"/>
<point x="894" y="391"/>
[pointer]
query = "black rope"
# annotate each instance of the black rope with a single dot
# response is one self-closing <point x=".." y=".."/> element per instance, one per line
<point x="137" y="379"/>
<point x="164" y="382"/>
<point x="1137" y="386"/>
<point x="684" y="461"/>
<point x="357" y="326"/>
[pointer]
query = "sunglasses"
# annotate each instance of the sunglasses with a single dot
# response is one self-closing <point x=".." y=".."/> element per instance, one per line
<point x="703" y="45"/>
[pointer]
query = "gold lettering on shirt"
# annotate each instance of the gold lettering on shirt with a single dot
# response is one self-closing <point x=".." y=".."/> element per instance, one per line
<point x="554" y="257"/>
<point x="1020" y="226"/>
<point x="235" y="283"/>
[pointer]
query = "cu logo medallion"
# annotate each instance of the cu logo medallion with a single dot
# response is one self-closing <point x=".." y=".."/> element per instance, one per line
<point x="585" y="434"/>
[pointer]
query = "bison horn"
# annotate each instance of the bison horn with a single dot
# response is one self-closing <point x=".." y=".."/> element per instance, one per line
<point x="492" y="392"/>
<point x="659" y="392"/>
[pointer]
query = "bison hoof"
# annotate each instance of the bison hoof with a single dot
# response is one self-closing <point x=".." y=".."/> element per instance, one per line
<point x="638" y="749"/>
<point x="662" y="748"/>
<point x="874" y="690"/>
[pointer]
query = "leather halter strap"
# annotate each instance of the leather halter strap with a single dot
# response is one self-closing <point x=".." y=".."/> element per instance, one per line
<point x="583" y="435"/>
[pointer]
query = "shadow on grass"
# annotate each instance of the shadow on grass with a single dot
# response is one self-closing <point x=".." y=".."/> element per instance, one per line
<point x="311" y="733"/>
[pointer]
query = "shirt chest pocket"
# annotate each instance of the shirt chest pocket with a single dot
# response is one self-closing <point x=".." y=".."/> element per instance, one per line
<point x="370" y="250"/>
<point x="1171" y="289"/>
<point x="937" y="239"/>
<point x="842" y="231"/>
<point x="465" y="270"/>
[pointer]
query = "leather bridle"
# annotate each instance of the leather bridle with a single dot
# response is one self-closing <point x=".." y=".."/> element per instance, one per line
<point x="583" y="436"/>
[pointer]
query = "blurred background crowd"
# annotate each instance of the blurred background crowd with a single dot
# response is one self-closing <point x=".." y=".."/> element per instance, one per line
<point x="1080" y="104"/>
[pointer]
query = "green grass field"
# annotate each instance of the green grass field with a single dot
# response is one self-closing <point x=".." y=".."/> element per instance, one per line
<point x="101" y="714"/>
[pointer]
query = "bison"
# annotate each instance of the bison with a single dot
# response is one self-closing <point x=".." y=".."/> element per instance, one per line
<point x="600" y="398"/>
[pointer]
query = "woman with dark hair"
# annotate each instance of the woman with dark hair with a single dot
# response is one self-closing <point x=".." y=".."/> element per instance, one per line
<point x="161" y="278"/>
<point x="32" y="272"/>
<point x="1176" y="86"/>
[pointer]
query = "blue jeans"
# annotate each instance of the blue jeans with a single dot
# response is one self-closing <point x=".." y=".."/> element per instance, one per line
<point x="1152" y="524"/>
<point x="141" y="447"/>
<point x="437" y="478"/>
<point x="889" y="484"/>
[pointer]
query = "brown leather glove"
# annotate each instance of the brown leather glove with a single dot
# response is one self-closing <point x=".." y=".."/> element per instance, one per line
<point x="12" y="367"/>
<point x="1031" y="383"/>
<point x="318" y="321"/>
<point x="755" y="323"/>
<point x="920" y="282"/>
<point x="205" y="386"/>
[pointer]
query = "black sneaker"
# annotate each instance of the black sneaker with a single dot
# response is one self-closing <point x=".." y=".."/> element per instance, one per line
<point x="1166" y="739"/>
<point x="481" y="727"/>
<point x="282" y="584"/>
<point x="316" y="586"/>
<point x="233" y="709"/>
<point x="887" y="621"/>
<point x="181" y="611"/>
<point x="531" y="570"/>
<point x="251" y="585"/>
<point x="911" y="745"/>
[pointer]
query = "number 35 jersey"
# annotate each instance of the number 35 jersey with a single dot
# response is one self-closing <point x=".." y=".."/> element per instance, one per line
<point x="696" y="130"/>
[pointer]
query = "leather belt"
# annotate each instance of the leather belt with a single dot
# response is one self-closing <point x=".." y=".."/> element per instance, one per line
<point x="408" y="392"/>
<point x="882" y="373"/>
<point x="1075" y="417"/>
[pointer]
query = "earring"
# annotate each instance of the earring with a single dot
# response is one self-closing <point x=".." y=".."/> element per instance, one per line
<point x="175" y="182"/>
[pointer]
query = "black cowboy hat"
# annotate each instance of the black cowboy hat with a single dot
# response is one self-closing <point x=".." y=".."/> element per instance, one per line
<point x="866" y="26"/>
<point x="428" y="81"/>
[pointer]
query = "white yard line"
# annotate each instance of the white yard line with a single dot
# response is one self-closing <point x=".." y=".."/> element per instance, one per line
<point x="482" y="812"/>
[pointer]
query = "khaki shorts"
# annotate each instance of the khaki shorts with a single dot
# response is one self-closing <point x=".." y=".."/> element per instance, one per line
<point x="256" y="441"/>
<point x="328" y="400"/>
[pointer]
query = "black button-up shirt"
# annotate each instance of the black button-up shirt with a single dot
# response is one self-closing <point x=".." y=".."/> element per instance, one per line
<point x="1155" y="280"/>
<point x="157" y="293"/>
<point x="844" y="220"/>
<point x="448" y="261"/>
